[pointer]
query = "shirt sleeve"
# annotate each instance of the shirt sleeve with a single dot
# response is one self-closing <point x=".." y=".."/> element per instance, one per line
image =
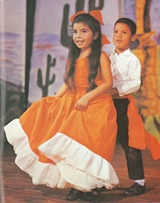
<point x="132" y="84"/>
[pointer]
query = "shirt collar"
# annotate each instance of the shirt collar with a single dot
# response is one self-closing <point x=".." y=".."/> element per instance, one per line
<point x="126" y="53"/>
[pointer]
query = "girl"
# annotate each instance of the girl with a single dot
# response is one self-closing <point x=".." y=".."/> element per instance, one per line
<point x="68" y="140"/>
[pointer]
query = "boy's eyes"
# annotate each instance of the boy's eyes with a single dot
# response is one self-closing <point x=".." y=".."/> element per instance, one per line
<point x="116" y="31"/>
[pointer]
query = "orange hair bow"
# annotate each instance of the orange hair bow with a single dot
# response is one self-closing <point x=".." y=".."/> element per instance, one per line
<point x="98" y="16"/>
<point x="95" y="14"/>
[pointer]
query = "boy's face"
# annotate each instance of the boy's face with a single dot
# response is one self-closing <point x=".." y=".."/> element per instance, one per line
<point x="122" y="37"/>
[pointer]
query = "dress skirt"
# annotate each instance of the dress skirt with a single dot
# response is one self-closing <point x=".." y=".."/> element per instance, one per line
<point x="62" y="147"/>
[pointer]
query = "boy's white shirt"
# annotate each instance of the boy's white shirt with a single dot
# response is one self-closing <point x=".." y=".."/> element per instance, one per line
<point x="126" y="72"/>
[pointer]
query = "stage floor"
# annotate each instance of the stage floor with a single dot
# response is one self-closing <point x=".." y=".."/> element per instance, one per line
<point x="16" y="185"/>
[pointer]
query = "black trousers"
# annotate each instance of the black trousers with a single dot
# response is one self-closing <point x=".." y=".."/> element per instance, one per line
<point x="133" y="155"/>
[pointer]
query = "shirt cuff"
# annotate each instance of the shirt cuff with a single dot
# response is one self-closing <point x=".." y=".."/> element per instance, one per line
<point x="121" y="93"/>
<point x="124" y="90"/>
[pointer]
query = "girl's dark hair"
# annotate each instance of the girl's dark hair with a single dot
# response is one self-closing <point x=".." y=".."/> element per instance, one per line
<point x="94" y="57"/>
<point x="132" y="26"/>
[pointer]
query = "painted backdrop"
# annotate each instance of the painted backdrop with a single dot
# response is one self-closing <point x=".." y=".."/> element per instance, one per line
<point x="51" y="40"/>
<point x="12" y="59"/>
<point x="146" y="14"/>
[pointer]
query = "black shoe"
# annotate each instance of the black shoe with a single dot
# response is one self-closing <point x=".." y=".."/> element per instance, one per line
<point x="135" y="190"/>
<point x="89" y="196"/>
<point x="74" y="194"/>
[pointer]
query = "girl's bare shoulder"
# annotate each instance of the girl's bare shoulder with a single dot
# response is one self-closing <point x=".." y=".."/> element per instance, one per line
<point x="104" y="56"/>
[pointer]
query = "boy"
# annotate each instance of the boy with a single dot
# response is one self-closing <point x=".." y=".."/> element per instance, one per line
<point x="126" y="71"/>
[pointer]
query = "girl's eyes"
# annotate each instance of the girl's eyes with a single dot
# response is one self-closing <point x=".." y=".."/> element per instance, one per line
<point x="75" y="31"/>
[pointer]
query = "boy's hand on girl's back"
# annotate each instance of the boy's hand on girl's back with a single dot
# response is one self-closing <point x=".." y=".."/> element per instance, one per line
<point x="114" y="92"/>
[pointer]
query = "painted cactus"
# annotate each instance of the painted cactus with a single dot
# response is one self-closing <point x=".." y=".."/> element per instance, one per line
<point x="47" y="80"/>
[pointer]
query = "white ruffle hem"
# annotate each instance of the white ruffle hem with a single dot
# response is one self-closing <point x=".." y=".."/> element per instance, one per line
<point x="75" y="165"/>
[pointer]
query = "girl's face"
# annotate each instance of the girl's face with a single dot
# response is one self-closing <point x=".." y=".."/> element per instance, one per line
<point x="82" y="36"/>
<point x="122" y="37"/>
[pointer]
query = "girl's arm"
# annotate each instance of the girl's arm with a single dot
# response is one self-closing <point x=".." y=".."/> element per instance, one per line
<point x="61" y="91"/>
<point x="103" y="88"/>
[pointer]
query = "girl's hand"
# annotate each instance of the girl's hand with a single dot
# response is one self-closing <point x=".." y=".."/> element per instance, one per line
<point x="82" y="103"/>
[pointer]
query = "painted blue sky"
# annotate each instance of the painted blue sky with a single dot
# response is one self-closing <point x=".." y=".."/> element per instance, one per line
<point x="12" y="41"/>
<point x="13" y="14"/>
<point x="51" y="12"/>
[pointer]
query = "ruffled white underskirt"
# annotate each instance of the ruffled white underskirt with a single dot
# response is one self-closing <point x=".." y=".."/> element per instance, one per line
<point x="75" y="165"/>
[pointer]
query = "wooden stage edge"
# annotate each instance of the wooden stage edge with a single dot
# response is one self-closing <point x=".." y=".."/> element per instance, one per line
<point x="16" y="185"/>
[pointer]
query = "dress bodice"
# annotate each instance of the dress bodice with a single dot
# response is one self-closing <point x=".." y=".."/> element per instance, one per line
<point x="82" y="72"/>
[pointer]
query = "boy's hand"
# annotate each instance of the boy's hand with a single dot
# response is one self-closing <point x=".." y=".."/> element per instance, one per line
<point x="82" y="103"/>
<point x="114" y="92"/>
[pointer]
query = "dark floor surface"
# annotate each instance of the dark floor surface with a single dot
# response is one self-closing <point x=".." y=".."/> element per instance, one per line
<point x="16" y="185"/>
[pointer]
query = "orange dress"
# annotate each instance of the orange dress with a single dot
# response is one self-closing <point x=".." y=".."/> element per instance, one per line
<point x="62" y="147"/>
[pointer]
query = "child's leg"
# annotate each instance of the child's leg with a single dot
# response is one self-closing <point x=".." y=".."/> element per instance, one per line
<point x="133" y="156"/>
<point x="134" y="163"/>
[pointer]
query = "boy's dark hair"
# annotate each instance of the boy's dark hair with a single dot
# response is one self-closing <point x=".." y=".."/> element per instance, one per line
<point x="93" y="58"/>
<point x="132" y="26"/>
